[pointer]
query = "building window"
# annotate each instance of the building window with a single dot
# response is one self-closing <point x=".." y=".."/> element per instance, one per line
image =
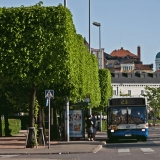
<point x="110" y="65"/>
<point x="129" y="92"/>
<point x="114" y="92"/>
<point x="95" y="53"/>
<point x="142" y="92"/>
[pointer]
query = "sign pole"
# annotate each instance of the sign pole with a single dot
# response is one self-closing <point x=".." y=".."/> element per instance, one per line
<point x="67" y="118"/>
<point x="49" y="124"/>
<point x="49" y="94"/>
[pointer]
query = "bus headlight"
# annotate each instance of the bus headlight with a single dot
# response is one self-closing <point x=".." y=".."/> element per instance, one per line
<point x="143" y="129"/>
<point x="112" y="130"/>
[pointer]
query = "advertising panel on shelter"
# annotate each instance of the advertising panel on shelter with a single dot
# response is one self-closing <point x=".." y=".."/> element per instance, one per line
<point x="75" y="123"/>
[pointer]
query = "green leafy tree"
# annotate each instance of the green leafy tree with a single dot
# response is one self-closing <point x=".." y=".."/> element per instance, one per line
<point x="105" y="87"/>
<point x="18" y="96"/>
<point x="153" y="99"/>
<point x="33" y="49"/>
<point x="39" y="47"/>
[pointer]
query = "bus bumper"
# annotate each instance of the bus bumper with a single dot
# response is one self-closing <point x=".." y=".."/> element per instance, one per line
<point x="128" y="134"/>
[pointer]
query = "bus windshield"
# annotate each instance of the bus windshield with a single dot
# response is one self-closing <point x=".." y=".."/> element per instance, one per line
<point x="127" y="115"/>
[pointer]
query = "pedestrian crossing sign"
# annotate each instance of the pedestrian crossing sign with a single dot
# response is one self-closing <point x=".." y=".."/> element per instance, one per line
<point x="49" y="93"/>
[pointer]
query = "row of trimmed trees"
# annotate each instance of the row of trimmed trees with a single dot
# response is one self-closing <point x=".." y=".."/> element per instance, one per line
<point x="39" y="49"/>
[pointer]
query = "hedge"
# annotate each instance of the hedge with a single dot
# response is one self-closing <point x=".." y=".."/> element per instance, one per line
<point x="14" y="126"/>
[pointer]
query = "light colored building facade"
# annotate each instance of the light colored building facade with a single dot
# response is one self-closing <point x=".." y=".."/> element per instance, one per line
<point x="134" y="84"/>
<point x="100" y="56"/>
<point x="99" y="53"/>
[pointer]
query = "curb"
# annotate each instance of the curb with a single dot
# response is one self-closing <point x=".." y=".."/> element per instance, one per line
<point x="39" y="151"/>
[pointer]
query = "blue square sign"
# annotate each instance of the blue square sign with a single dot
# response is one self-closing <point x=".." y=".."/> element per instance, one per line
<point x="49" y="93"/>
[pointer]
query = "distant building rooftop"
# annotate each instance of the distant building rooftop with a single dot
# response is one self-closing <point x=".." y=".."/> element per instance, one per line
<point x="122" y="53"/>
<point x="158" y="55"/>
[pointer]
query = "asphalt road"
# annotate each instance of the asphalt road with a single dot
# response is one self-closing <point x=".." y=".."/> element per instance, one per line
<point x="122" y="150"/>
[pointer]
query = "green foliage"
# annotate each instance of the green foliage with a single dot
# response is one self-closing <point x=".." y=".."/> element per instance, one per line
<point x="17" y="95"/>
<point x="39" y="46"/>
<point x="104" y="125"/>
<point x="14" y="126"/>
<point x="153" y="99"/>
<point x="94" y="86"/>
<point x="105" y="85"/>
<point x="36" y="108"/>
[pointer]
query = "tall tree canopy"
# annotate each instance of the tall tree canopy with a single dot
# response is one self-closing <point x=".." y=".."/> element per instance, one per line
<point x="39" y="47"/>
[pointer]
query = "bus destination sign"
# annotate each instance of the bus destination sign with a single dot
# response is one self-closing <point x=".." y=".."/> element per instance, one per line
<point x="127" y="101"/>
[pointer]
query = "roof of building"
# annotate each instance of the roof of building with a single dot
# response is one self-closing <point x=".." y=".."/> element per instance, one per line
<point x="122" y="53"/>
<point x="135" y="77"/>
<point x="143" y="67"/>
<point x="158" y="55"/>
<point x="128" y="61"/>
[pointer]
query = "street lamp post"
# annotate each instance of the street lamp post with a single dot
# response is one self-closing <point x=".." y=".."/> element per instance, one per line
<point x="100" y="52"/>
<point x="100" y="61"/>
<point x="65" y="3"/>
<point x="89" y="10"/>
<point x="89" y="29"/>
<point x="67" y="106"/>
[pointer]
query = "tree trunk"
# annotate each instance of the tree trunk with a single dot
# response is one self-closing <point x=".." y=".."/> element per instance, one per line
<point x="52" y="122"/>
<point x="43" y="124"/>
<point x="40" y="126"/>
<point x="31" y="137"/>
<point x="55" y="121"/>
<point x="54" y="125"/>
<point x="154" y="120"/>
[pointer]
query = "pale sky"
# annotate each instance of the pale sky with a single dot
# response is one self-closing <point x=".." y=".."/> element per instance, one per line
<point x="124" y="23"/>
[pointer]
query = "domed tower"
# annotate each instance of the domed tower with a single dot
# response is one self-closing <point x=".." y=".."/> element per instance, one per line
<point x="157" y="61"/>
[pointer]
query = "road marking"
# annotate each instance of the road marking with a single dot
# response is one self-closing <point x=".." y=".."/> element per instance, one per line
<point x="97" y="148"/>
<point x="7" y="156"/>
<point x="147" y="150"/>
<point x="123" y="150"/>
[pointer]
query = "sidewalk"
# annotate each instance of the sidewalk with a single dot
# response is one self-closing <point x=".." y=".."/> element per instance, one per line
<point x="16" y="145"/>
